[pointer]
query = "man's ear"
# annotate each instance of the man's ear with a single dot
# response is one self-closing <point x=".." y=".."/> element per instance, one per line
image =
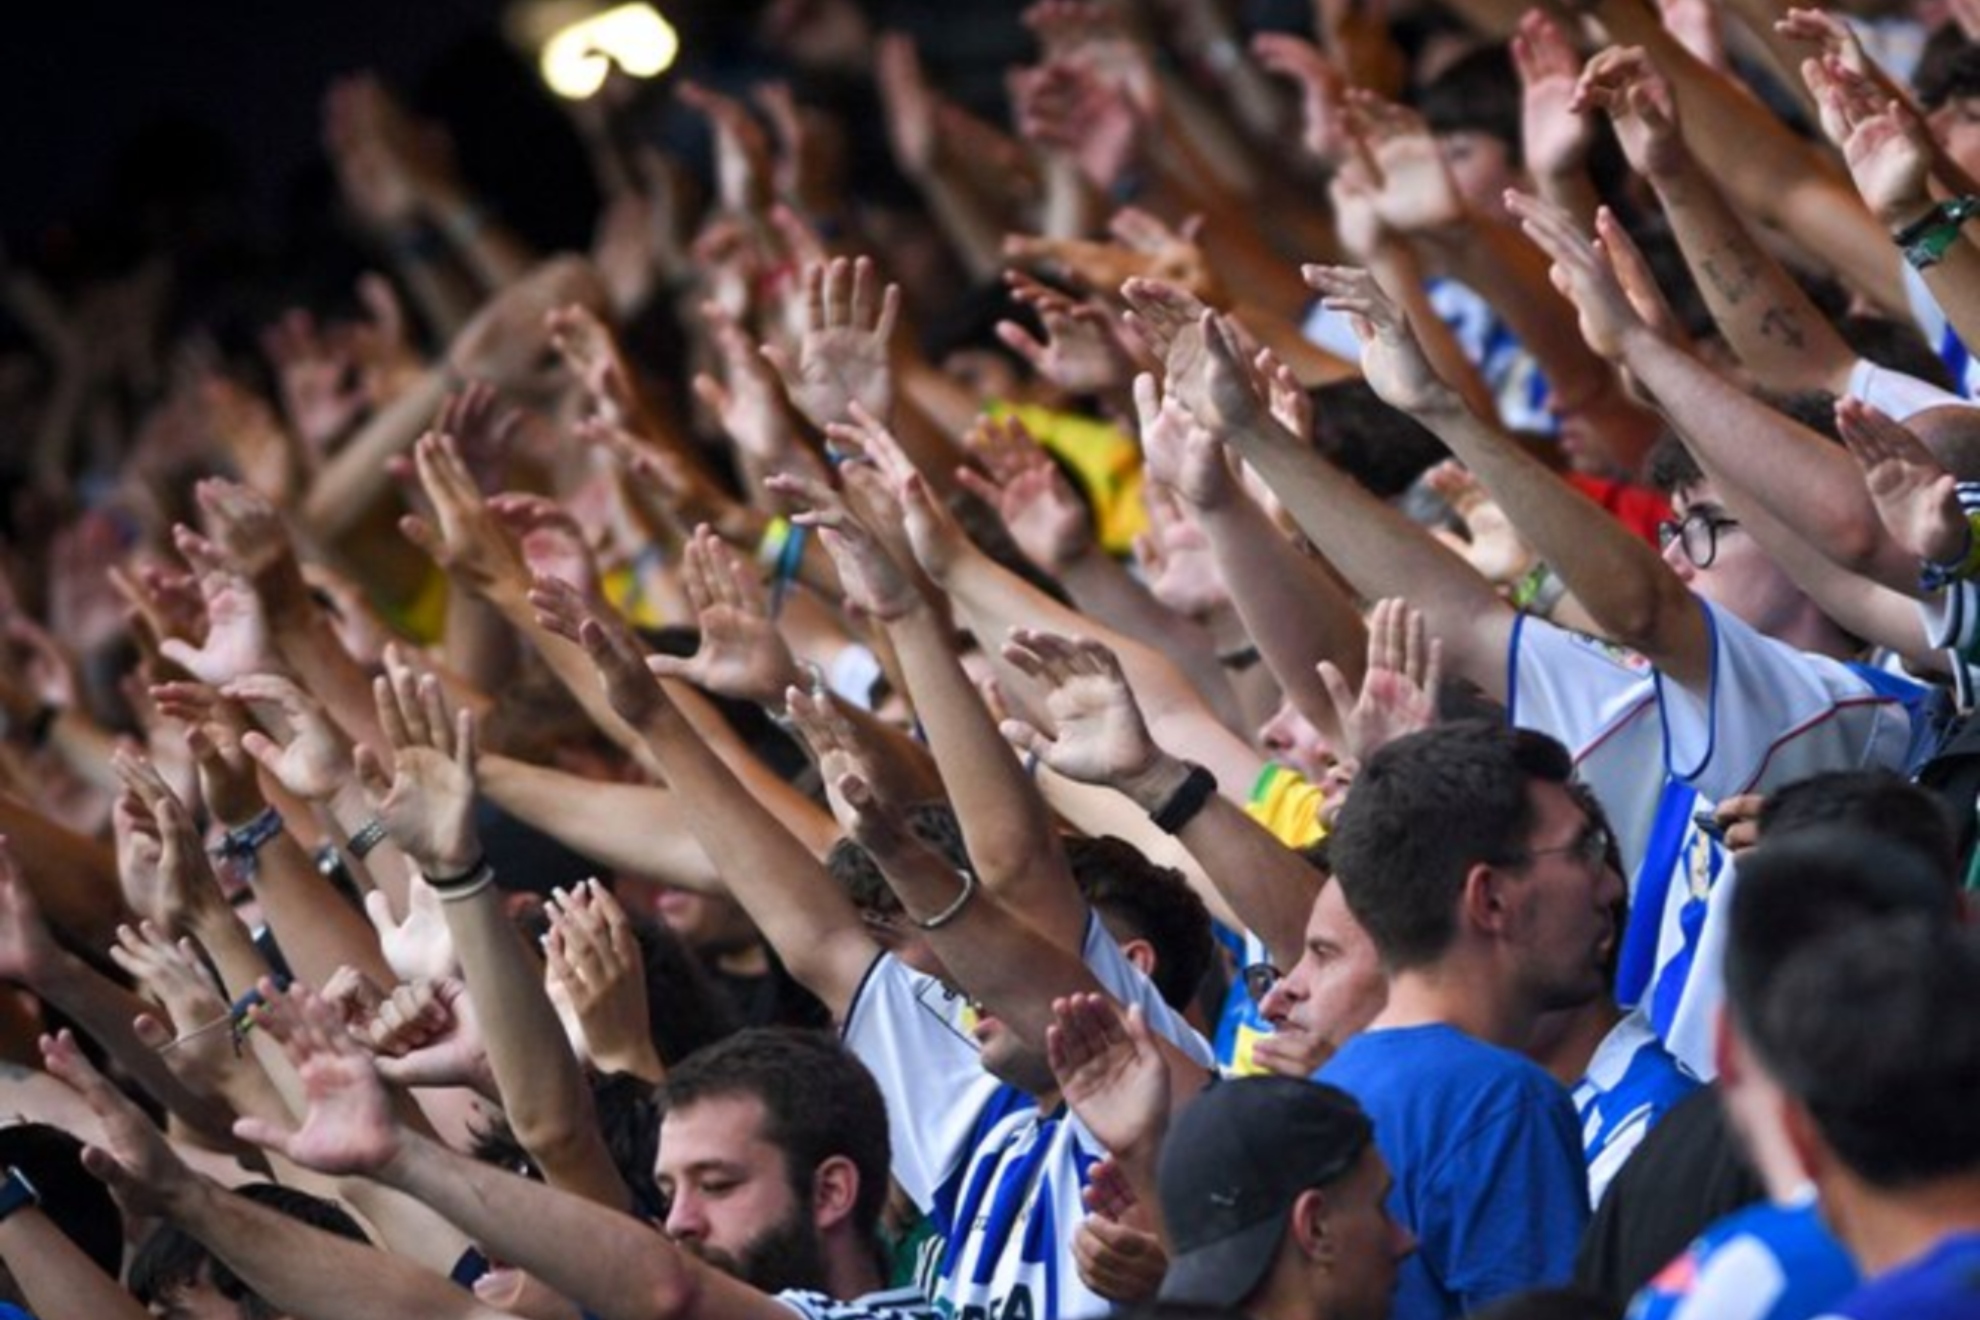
<point x="1726" y="1059"/>
<point x="1141" y="954"/>
<point x="834" y="1192"/>
<point x="1309" y="1227"/>
<point x="1482" y="904"/>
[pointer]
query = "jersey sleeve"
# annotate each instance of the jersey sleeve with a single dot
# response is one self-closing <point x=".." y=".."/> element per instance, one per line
<point x="1773" y="714"/>
<point x="1124" y="981"/>
<point x="912" y="1033"/>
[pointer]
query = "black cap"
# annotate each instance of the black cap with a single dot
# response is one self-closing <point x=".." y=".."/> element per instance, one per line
<point x="1234" y="1163"/>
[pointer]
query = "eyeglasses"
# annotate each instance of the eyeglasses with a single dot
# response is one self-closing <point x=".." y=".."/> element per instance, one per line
<point x="1259" y="978"/>
<point x="1590" y="848"/>
<point x="1698" y="532"/>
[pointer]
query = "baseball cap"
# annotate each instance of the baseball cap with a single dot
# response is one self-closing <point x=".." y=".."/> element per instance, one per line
<point x="1233" y="1164"/>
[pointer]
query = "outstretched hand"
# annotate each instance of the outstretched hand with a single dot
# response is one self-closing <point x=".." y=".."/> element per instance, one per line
<point x="624" y="670"/>
<point x="134" y="1160"/>
<point x="427" y="802"/>
<point x="1399" y="688"/>
<point x="741" y="654"/>
<point x="1917" y="499"/>
<point x="1582" y="272"/>
<point x="1110" y="1071"/>
<point x="1099" y="735"/>
<point x="842" y="355"/>
<point x="347" y="1126"/>
<point x="1391" y="357"/>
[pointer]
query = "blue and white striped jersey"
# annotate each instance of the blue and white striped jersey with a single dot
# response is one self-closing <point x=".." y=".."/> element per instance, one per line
<point x="1001" y="1181"/>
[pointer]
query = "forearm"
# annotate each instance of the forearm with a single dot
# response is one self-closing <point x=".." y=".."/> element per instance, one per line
<point x="1776" y="331"/>
<point x="478" y="643"/>
<point x="485" y="246"/>
<point x="1269" y="887"/>
<point x="802" y="817"/>
<point x="1379" y="553"/>
<point x="1291" y="606"/>
<point x="316" y="928"/>
<point x="1108" y="594"/>
<point x="313" y="1275"/>
<point x="310" y="649"/>
<point x="1621" y="581"/>
<point x="783" y="887"/>
<point x="1006" y="827"/>
<point x="1769" y="173"/>
<point x="544" y="1095"/>
<point x="357" y="474"/>
<point x="229" y="947"/>
<point x="73" y="879"/>
<point x="56" y="1277"/>
<point x="105" y="1011"/>
<point x="1003" y="961"/>
<point x="633" y="828"/>
<point x="1801" y="479"/>
<point x="609" y="1263"/>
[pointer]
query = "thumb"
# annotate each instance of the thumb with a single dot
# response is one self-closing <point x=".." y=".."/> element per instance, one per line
<point x="267" y="1135"/>
<point x="151" y="1033"/>
<point x="378" y="907"/>
<point x="420" y="532"/>
<point x="1338" y="691"/>
<point x="266" y="752"/>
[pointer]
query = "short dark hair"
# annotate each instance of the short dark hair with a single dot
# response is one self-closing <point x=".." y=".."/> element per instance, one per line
<point x="1672" y="468"/>
<point x="1380" y="446"/>
<point x="1424" y="810"/>
<point x="934" y="823"/>
<point x="1872" y="1030"/>
<point x="1135" y="898"/>
<point x="172" y="1259"/>
<point x="1798" y="887"/>
<point x="1479" y="93"/>
<point x="627" y="1110"/>
<point x="1949" y="75"/>
<point x="819" y="1102"/>
<point x="1877" y="802"/>
<point x="1117" y="880"/>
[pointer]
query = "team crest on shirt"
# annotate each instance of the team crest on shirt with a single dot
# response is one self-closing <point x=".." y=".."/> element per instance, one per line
<point x="1619" y="656"/>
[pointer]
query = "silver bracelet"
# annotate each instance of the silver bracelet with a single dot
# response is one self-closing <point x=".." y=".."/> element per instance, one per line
<point x="951" y="912"/>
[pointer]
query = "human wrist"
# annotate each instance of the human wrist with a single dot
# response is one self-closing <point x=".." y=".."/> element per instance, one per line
<point x="1154" y="781"/>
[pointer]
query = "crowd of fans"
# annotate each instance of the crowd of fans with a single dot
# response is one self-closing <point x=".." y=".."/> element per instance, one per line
<point x="938" y="727"/>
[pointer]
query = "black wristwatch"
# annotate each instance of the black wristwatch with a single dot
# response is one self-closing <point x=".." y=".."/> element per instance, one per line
<point x="16" y="1192"/>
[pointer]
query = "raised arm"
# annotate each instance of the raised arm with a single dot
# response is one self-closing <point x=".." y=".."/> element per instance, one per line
<point x="1778" y="333"/>
<point x="1099" y="737"/>
<point x="803" y="914"/>
<point x="308" y="1273"/>
<point x="426" y="806"/>
<point x="1012" y="842"/>
<point x="1802" y="480"/>
<point x="1633" y="596"/>
<point x="1373" y="546"/>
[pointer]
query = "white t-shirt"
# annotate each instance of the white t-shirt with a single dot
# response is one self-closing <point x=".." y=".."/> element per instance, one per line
<point x="1000" y="1181"/>
<point x="1656" y="754"/>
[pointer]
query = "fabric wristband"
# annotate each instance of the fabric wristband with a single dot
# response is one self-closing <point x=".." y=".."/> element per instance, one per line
<point x="1190" y="797"/>
<point x="242" y="844"/>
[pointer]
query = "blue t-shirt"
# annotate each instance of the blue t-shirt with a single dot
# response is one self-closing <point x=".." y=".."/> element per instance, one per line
<point x="1766" y="1262"/>
<point x="1942" y="1284"/>
<point x="1487" y="1161"/>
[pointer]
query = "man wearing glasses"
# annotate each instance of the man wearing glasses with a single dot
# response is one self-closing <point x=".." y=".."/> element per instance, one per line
<point x="1484" y="886"/>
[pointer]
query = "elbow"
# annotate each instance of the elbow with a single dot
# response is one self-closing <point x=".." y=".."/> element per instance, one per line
<point x="674" y="1291"/>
